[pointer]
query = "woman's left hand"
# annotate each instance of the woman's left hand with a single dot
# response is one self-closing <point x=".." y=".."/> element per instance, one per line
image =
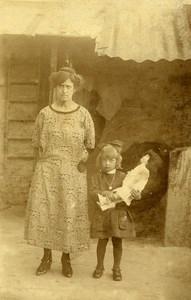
<point x="135" y="194"/>
<point x="81" y="166"/>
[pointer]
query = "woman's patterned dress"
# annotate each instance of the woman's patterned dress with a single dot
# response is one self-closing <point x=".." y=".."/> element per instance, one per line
<point x="57" y="212"/>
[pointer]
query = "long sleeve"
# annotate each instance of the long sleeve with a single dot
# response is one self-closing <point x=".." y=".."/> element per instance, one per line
<point x="89" y="139"/>
<point x="37" y="130"/>
<point x="95" y="187"/>
<point x="98" y="184"/>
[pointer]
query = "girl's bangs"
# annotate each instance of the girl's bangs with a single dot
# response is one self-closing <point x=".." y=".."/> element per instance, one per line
<point x="109" y="152"/>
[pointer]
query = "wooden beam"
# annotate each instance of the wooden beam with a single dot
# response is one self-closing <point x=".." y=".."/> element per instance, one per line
<point x="53" y="55"/>
<point x="53" y="62"/>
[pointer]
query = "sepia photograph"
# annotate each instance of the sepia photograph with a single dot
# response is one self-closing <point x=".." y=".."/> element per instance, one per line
<point x="95" y="150"/>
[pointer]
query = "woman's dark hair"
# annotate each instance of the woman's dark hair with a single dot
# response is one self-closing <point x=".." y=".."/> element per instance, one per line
<point x="64" y="74"/>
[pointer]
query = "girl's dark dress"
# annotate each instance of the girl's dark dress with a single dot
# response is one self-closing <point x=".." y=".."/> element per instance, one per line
<point x="113" y="222"/>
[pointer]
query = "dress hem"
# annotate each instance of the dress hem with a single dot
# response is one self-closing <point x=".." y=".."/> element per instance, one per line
<point x="61" y="250"/>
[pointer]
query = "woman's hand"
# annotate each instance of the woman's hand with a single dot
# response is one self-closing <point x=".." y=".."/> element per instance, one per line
<point x="135" y="194"/>
<point x="81" y="166"/>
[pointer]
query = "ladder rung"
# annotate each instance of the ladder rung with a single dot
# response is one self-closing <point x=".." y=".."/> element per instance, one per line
<point x="21" y="120"/>
<point x="23" y="101"/>
<point x="24" y="82"/>
<point x="20" y="157"/>
<point x="18" y="139"/>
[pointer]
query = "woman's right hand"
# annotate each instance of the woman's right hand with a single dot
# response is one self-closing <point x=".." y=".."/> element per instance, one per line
<point x="81" y="166"/>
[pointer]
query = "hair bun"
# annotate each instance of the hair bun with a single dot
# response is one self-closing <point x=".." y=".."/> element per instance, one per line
<point x="68" y="70"/>
<point x="63" y="74"/>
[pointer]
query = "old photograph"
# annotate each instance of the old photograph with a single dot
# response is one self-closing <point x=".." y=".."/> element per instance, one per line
<point x="95" y="150"/>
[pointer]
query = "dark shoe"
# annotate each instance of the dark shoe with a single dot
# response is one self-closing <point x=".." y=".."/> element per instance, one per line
<point x="98" y="272"/>
<point x="45" y="265"/>
<point x="66" y="266"/>
<point x="117" y="274"/>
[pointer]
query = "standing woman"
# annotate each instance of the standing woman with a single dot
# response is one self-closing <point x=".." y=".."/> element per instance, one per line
<point x="57" y="210"/>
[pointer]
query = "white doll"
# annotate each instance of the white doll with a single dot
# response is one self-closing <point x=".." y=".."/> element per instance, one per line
<point x="135" y="179"/>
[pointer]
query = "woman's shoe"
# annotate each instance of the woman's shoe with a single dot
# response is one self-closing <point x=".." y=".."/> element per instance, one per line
<point x="45" y="265"/>
<point x="117" y="274"/>
<point x="98" y="272"/>
<point x="66" y="265"/>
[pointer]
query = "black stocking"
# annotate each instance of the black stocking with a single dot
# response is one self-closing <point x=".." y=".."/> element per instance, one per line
<point x="101" y="248"/>
<point x="47" y="253"/>
<point x="117" y="252"/>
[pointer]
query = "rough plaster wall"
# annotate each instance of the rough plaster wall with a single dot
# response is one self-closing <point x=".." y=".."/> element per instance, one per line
<point x="178" y="212"/>
<point x="157" y="109"/>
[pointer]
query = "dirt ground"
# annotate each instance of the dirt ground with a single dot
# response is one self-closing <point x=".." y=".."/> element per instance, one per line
<point x="150" y="271"/>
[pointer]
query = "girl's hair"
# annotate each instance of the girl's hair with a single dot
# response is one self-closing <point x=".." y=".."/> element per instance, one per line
<point x="64" y="74"/>
<point x="109" y="152"/>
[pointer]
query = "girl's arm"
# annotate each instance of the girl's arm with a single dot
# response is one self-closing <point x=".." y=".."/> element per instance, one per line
<point x="95" y="188"/>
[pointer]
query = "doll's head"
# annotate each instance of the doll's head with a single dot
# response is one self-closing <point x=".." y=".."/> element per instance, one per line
<point x="108" y="159"/>
<point x="144" y="159"/>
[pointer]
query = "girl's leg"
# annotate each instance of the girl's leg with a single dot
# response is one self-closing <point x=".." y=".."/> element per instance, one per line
<point x="45" y="262"/>
<point x="101" y="249"/>
<point x="117" y="254"/>
<point x="66" y="265"/>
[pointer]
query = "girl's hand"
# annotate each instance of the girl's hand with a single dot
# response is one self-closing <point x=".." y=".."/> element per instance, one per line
<point x="109" y="195"/>
<point x="135" y="194"/>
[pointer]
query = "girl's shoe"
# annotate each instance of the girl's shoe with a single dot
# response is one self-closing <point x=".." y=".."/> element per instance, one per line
<point x="117" y="274"/>
<point x="98" y="272"/>
<point x="45" y="265"/>
<point x="66" y="265"/>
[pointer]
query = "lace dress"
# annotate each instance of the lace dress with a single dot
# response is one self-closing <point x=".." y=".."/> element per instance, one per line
<point x="57" y="211"/>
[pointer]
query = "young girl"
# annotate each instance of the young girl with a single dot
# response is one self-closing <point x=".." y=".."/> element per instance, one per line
<point x="117" y="222"/>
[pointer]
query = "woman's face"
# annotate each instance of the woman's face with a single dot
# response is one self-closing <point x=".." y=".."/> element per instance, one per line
<point x="65" y="91"/>
<point x="108" y="164"/>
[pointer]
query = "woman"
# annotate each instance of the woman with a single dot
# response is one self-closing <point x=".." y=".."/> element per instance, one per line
<point x="57" y="212"/>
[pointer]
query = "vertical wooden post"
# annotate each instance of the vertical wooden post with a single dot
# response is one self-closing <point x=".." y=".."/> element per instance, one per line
<point x="53" y="62"/>
<point x="8" y="64"/>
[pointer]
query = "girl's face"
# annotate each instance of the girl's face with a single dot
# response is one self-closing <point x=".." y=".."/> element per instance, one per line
<point x="108" y="164"/>
<point x="65" y="91"/>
